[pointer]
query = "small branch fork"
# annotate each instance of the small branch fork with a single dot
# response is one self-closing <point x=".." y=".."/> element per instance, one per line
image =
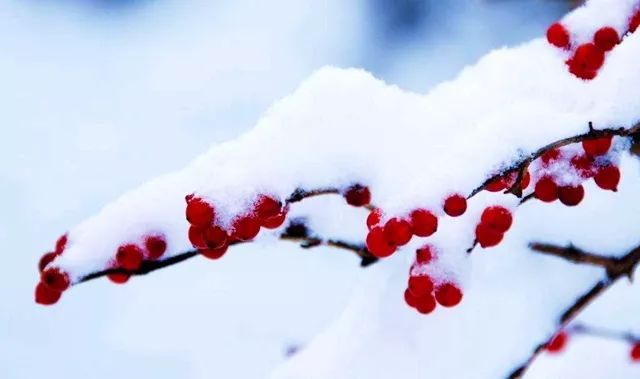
<point x="615" y="268"/>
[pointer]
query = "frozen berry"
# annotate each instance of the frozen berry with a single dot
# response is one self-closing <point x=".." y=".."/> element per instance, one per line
<point x="571" y="195"/>
<point x="546" y="189"/>
<point x="608" y="178"/>
<point x="526" y="180"/>
<point x="377" y="243"/>
<point x="423" y="223"/>
<point x="46" y="295"/>
<point x="129" y="257"/>
<point x="426" y="304"/>
<point x="196" y="237"/>
<point x="61" y="244"/>
<point x="267" y="207"/>
<point x="448" y="295"/>
<point x="275" y="221"/>
<point x="155" y="246"/>
<point x="397" y="231"/>
<point x="410" y="298"/>
<point x="583" y="164"/>
<point x="374" y="218"/>
<point x="497" y="217"/>
<point x="199" y="212"/>
<point x="425" y="254"/>
<point x="215" y="237"/>
<point x="358" y="195"/>
<point x="550" y="156"/>
<point x="635" y="352"/>
<point x="558" y="342"/>
<point x="635" y="22"/>
<point x="455" y="205"/>
<point x="118" y="277"/>
<point x="558" y="35"/>
<point x="598" y="146"/>
<point x="496" y="185"/>
<point x="606" y="38"/>
<point x="488" y="237"/>
<point x="56" y="279"/>
<point x="588" y="57"/>
<point x="214" y="253"/>
<point x="420" y="285"/>
<point x="46" y="259"/>
<point x="245" y="228"/>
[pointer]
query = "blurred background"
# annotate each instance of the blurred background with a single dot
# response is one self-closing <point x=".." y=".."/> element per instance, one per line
<point x="98" y="96"/>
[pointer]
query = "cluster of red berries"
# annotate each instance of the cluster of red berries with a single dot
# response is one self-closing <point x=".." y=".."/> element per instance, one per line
<point x="558" y="343"/>
<point x="53" y="281"/>
<point x="587" y="165"/>
<point x="212" y="240"/>
<point x="421" y="293"/>
<point x="384" y="238"/>
<point x="130" y="256"/>
<point x="495" y="221"/>
<point x="589" y="57"/>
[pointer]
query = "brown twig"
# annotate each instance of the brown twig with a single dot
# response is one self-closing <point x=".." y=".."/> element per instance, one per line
<point x="615" y="268"/>
<point x="602" y="333"/>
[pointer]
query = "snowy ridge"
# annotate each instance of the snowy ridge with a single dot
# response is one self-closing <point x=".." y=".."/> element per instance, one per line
<point x="343" y="126"/>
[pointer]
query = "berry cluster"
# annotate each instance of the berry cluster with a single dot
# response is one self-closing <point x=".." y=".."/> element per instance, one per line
<point x="587" y="58"/>
<point x="53" y="281"/>
<point x="559" y="342"/>
<point x="130" y="256"/>
<point x="208" y="235"/>
<point x="421" y="293"/>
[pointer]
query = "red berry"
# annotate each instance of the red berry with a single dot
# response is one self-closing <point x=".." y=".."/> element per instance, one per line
<point x="215" y="237"/>
<point x="129" y="257"/>
<point x="550" y="156"/>
<point x="196" y="237"/>
<point x="61" y="244"/>
<point x="423" y="223"/>
<point x="426" y="304"/>
<point x="497" y="218"/>
<point x="546" y="190"/>
<point x="358" y="195"/>
<point x="267" y="207"/>
<point x="488" y="237"/>
<point x="558" y="342"/>
<point x="635" y="22"/>
<point x="558" y="36"/>
<point x="606" y="38"/>
<point x="583" y="164"/>
<point x="214" y="253"/>
<point x="448" y="295"/>
<point x="199" y="212"/>
<point x="425" y="254"/>
<point x="420" y="285"/>
<point x="598" y="146"/>
<point x="46" y="295"/>
<point x="55" y="279"/>
<point x="571" y="195"/>
<point x="410" y="299"/>
<point x="398" y="231"/>
<point x="586" y="61"/>
<point x="526" y="180"/>
<point x="118" y="277"/>
<point x="155" y="246"/>
<point x="46" y="259"/>
<point x="378" y="245"/>
<point x="608" y="178"/>
<point x="245" y="228"/>
<point x="374" y="218"/>
<point x="496" y="185"/>
<point x="455" y="205"/>
<point x="275" y="221"/>
<point x="635" y="352"/>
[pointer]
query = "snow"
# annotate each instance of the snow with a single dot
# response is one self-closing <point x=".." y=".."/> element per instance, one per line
<point x="201" y="319"/>
<point x="343" y="126"/>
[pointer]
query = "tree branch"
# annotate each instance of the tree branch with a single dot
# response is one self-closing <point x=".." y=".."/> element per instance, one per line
<point x="615" y="268"/>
